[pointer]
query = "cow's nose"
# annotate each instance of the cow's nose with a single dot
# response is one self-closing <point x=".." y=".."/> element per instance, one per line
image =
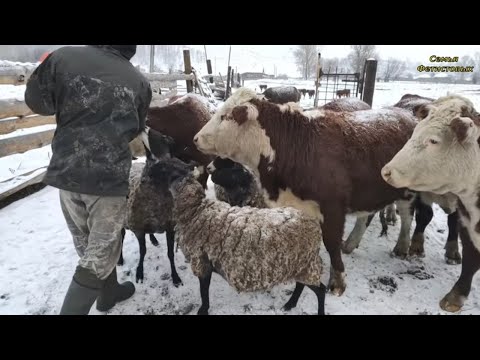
<point x="386" y="173"/>
<point x="195" y="139"/>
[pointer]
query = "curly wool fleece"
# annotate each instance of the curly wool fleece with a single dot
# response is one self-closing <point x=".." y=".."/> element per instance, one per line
<point x="252" y="249"/>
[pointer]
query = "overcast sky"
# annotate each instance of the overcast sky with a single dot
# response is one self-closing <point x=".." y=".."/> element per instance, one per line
<point x="255" y="57"/>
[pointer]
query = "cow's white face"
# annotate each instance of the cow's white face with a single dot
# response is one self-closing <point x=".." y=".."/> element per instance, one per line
<point x="234" y="132"/>
<point x="443" y="153"/>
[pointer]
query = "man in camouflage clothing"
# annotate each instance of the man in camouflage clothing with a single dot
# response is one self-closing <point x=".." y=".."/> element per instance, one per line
<point x="100" y="101"/>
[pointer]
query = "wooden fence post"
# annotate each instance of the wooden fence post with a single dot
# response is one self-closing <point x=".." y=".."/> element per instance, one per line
<point x="369" y="86"/>
<point x="317" y="81"/>
<point x="209" y="69"/>
<point x="188" y="69"/>
<point x="227" y="87"/>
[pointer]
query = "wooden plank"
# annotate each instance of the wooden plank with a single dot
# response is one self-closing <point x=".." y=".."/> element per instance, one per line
<point x="34" y="180"/>
<point x="13" y="108"/>
<point x="20" y="144"/>
<point x="12" y="124"/>
<point x="163" y="84"/>
<point x="167" y="77"/>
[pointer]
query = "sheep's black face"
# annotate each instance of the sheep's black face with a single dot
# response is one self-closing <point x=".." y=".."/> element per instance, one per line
<point x="169" y="171"/>
<point x="158" y="144"/>
<point x="233" y="177"/>
<point x="219" y="164"/>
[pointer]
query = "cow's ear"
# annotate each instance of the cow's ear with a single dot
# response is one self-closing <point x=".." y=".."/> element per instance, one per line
<point x="465" y="129"/>
<point x="422" y="111"/>
<point x="240" y="114"/>
<point x="471" y="113"/>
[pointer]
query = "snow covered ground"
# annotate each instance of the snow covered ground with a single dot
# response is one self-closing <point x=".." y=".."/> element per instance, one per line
<point x="37" y="258"/>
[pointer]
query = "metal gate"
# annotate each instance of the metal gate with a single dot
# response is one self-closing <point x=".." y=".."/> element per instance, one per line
<point x="337" y="85"/>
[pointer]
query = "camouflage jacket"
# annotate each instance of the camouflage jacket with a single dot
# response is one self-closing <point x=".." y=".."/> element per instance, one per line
<point x="100" y="102"/>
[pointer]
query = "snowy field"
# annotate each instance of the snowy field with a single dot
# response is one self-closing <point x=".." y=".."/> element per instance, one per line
<point x="37" y="258"/>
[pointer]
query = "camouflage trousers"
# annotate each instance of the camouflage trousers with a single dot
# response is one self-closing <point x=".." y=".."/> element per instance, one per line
<point x="95" y="223"/>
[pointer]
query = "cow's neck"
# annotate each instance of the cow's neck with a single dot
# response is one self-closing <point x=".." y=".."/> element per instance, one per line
<point x="469" y="210"/>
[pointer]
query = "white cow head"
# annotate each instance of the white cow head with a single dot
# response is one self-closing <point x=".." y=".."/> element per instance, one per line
<point x="234" y="131"/>
<point x="443" y="153"/>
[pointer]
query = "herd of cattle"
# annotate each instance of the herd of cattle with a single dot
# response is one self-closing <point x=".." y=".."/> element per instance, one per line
<point x="346" y="158"/>
<point x="311" y="93"/>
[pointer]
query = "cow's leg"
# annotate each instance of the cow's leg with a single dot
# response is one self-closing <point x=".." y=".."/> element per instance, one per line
<point x="452" y="255"/>
<point x="423" y="216"/>
<point x="405" y="210"/>
<point x="391" y="214"/>
<point x="334" y="221"/>
<point x="455" y="299"/>
<point x="356" y="234"/>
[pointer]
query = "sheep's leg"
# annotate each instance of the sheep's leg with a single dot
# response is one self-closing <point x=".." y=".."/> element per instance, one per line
<point x="384" y="222"/>
<point x="356" y="235"/>
<point x="153" y="240"/>
<point x="423" y="216"/>
<point x="170" y="247"/>
<point x="452" y="255"/>
<point x="294" y="298"/>
<point x="320" y="292"/>
<point x="120" y="260"/>
<point x="204" y="288"/>
<point x="391" y="214"/>
<point x="143" y="250"/>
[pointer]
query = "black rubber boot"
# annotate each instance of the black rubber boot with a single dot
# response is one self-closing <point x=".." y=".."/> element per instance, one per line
<point x="82" y="293"/>
<point x="113" y="292"/>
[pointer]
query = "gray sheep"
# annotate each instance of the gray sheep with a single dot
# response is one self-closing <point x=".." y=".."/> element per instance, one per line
<point x="252" y="249"/>
<point x="150" y="207"/>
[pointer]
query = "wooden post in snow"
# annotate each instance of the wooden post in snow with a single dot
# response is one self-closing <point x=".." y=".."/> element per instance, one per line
<point x="188" y="69"/>
<point x="369" y="87"/>
<point x="317" y="81"/>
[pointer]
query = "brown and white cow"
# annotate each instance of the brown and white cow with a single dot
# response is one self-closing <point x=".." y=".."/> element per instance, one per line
<point x="181" y="119"/>
<point x="442" y="156"/>
<point x="324" y="163"/>
<point x="423" y="204"/>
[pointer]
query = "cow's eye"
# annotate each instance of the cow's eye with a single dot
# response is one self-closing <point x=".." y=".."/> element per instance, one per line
<point x="223" y="117"/>
<point x="433" y="141"/>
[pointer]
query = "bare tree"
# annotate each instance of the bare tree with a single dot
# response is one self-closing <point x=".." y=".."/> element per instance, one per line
<point x="392" y="68"/>
<point x="306" y="59"/>
<point x="359" y="54"/>
<point x="464" y="61"/>
<point x="476" y="69"/>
